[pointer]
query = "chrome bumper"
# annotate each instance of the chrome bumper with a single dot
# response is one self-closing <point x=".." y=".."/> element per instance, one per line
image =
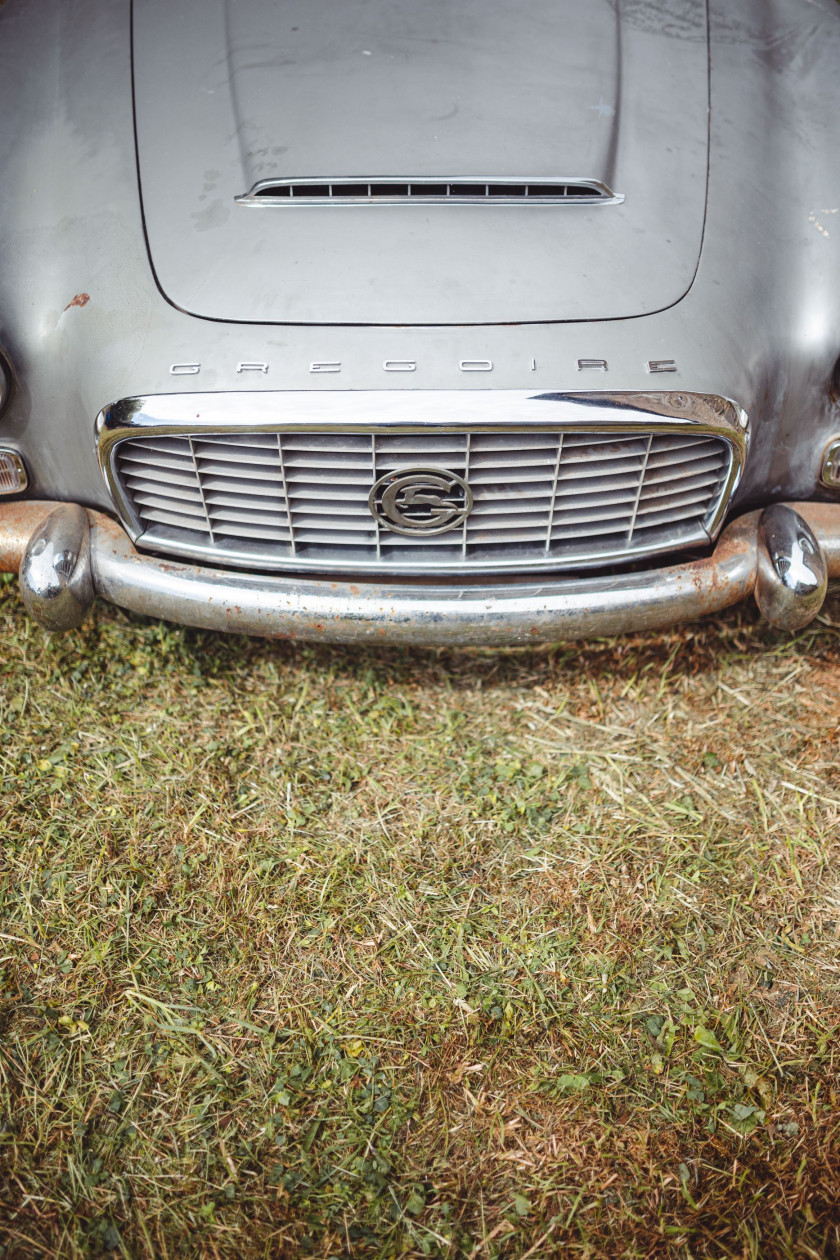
<point x="66" y="555"/>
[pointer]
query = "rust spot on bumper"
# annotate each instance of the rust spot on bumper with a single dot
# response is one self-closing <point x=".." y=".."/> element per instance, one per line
<point x="18" y="521"/>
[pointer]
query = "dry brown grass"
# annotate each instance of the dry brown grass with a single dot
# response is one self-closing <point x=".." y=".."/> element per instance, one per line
<point x="371" y="953"/>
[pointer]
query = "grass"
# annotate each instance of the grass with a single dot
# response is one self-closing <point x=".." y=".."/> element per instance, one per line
<point x="384" y="953"/>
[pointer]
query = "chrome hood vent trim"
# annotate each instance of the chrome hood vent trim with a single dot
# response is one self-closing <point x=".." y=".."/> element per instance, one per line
<point x="504" y="190"/>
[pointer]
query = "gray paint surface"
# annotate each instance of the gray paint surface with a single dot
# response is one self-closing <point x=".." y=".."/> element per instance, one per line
<point x="391" y="88"/>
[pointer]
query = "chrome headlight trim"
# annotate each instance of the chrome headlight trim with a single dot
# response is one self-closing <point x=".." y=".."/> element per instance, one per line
<point x="396" y="412"/>
<point x="13" y="475"/>
<point x="830" y="466"/>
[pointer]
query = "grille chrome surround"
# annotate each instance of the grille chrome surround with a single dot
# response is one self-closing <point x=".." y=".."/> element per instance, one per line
<point x="471" y="190"/>
<point x="559" y="481"/>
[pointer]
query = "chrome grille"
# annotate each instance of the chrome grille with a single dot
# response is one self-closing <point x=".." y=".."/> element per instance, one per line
<point x="559" y="499"/>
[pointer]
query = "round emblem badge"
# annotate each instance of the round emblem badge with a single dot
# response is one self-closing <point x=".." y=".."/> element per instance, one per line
<point x="421" y="500"/>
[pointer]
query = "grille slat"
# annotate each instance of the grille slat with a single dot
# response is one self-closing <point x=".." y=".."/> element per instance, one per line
<point x="671" y="502"/>
<point x="655" y="490"/>
<point x="343" y="492"/>
<point x="177" y="487"/>
<point x="231" y="464"/>
<point x="527" y="460"/>
<point x="255" y="532"/>
<point x="502" y="521"/>
<point x="264" y="500"/>
<point x="154" y="515"/>
<point x="514" y="474"/>
<point x="229" y="510"/>
<point x="690" y="467"/>
<point x="161" y="461"/>
<point x="506" y="507"/>
<point x="584" y="516"/>
<point x="184" y="507"/>
<point x="317" y="508"/>
<point x="314" y="538"/>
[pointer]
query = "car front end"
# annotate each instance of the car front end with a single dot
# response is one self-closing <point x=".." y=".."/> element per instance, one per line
<point x="452" y="326"/>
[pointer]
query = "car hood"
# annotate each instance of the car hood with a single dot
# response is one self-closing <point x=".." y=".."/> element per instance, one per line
<point x="234" y="92"/>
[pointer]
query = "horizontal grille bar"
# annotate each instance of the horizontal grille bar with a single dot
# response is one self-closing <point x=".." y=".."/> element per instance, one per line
<point x="545" y="499"/>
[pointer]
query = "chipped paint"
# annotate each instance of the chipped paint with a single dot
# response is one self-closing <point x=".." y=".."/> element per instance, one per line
<point x="821" y="228"/>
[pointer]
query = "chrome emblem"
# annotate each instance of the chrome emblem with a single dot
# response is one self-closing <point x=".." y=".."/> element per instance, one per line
<point x="421" y="500"/>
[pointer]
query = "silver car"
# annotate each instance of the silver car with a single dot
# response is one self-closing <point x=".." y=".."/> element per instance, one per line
<point x="435" y="323"/>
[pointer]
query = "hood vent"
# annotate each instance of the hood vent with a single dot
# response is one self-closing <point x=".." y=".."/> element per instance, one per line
<point x="393" y="192"/>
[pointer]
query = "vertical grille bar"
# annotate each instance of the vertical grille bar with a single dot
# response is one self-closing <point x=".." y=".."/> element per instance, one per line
<point x="374" y="479"/>
<point x="466" y="478"/>
<point x="286" y="493"/>
<point x="201" y="492"/>
<point x="641" y="487"/>
<point x="553" y="494"/>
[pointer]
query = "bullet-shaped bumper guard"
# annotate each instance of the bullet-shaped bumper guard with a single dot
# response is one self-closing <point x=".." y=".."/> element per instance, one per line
<point x="65" y="555"/>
